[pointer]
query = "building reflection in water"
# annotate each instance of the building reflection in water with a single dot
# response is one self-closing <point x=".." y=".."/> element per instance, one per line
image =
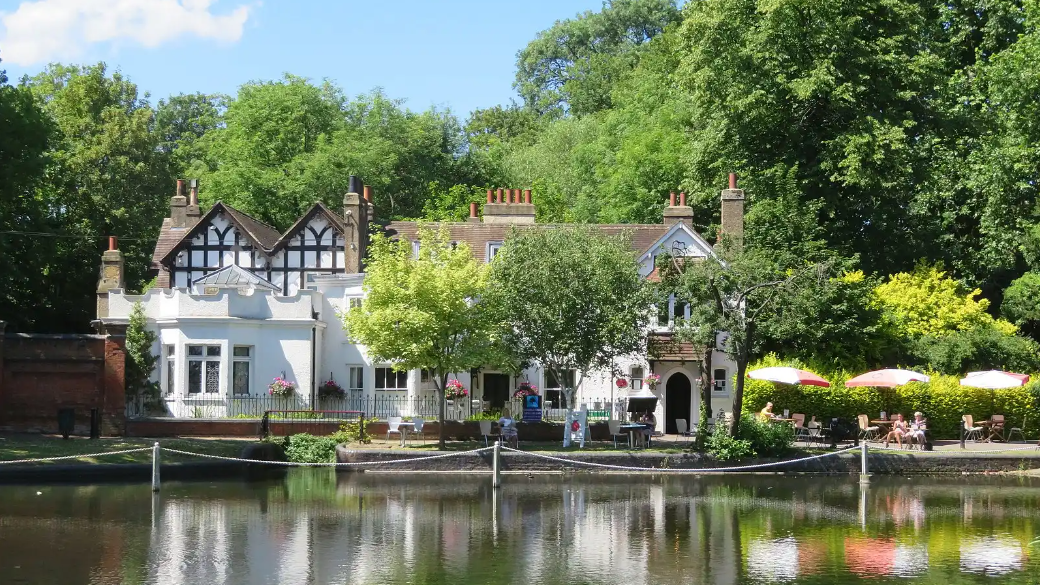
<point x="366" y="528"/>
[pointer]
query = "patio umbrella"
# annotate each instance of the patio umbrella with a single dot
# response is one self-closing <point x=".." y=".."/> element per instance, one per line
<point x="785" y="375"/>
<point x="994" y="379"/>
<point x="887" y="378"/>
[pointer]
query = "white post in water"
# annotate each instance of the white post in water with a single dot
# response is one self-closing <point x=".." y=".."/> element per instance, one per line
<point x="495" y="467"/>
<point x="155" y="467"/>
<point x="864" y="476"/>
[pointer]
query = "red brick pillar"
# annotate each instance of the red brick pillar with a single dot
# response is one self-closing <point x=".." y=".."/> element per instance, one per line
<point x="113" y="399"/>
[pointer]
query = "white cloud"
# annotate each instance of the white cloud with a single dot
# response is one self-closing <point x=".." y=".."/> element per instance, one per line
<point x="52" y="30"/>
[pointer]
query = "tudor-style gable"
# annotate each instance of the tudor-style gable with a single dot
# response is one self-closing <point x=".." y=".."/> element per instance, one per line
<point x="680" y="240"/>
<point x="313" y="245"/>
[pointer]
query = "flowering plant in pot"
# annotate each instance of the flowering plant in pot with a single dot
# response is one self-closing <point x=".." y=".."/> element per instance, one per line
<point x="454" y="390"/>
<point x="330" y="389"/>
<point x="525" y="389"/>
<point x="652" y="381"/>
<point x="281" y="387"/>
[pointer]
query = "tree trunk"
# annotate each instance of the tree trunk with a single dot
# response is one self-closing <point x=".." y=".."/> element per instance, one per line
<point x="705" y="410"/>
<point x="442" y="380"/>
<point x="743" y="357"/>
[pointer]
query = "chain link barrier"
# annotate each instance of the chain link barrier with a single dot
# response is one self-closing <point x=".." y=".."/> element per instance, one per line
<point x="684" y="470"/>
<point x="69" y="457"/>
<point x="336" y="464"/>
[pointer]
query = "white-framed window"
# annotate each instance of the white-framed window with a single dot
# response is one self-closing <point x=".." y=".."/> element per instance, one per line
<point x="203" y="369"/>
<point x="492" y="250"/>
<point x="241" y="370"/>
<point x="663" y="313"/>
<point x="356" y="378"/>
<point x="721" y="381"/>
<point x="415" y="248"/>
<point x="389" y="380"/>
<point x="680" y="310"/>
<point x="170" y="353"/>
<point x="354" y="303"/>
<point x="672" y="311"/>
<point x="635" y="373"/>
<point x="554" y="396"/>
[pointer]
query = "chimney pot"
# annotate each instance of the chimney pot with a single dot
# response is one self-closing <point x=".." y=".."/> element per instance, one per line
<point x="682" y="199"/>
<point x="527" y="196"/>
<point x="498" y="196"/>
<point x="732" y="180"/>
<point x="671" y="200"/>
<point x="473" y="210"/>
<point x="180" y="188"/>
<point x="368" y="193"/>
<point x="193" y="198"/>
<point x="354" y="184"/>
<point x="113" y="243"/>
<point x="490" y="196"/>
<point x="516" y="196"/>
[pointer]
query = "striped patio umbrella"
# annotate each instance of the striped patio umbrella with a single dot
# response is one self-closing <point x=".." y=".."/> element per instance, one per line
<point x="786" y="375"/>
<point x="993" y="379"/>
<point x="888" y="378"/>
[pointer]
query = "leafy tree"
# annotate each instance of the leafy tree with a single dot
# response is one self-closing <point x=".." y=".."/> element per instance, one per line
<point x="927" y="302"/>
<point x="745" y="296"/>
<point x="980" y="348"/>
<point x="423" y="312"/>
<point x="1022" y="302"/>
<point x="107" y="175"/>
<point x="573" y="65"/>
<point x="488" y="127"/>
<point x="182" y="120"/>
<point x="141" y="362"/>
<point x="569" y="298"/>
<point x="24" y="141"/>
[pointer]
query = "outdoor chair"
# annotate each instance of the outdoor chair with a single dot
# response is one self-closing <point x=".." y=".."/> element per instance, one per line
<point x="996" y="427"/>
<point x="418" y="428"/>
<point x="800" y="432"/>
<point x="867" y="432"/>
<point x="971" y="432"/>
<point x="614" y="426"/>
<point x="682" y="429"/>
<point x="814" y="433"/>
<point x="393" y="425"/>
<point x="1020" y="430"/>
<point x="485" y="430"/>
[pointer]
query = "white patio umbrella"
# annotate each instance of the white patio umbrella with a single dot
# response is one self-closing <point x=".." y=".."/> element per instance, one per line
<point x="993" y="379"/>
<point x="786" y="375"/>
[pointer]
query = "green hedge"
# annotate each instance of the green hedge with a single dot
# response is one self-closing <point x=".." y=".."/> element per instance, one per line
<point x="943" y="400"/>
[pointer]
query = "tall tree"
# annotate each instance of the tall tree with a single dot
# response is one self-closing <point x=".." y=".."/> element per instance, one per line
<point x="23" y="147"/>
<point x="573" y="65"/>
<point x="425" y="311"/>
<point x="182" y="120"/>
<point x="108" y="176"/>
<point x="569" y="298"/>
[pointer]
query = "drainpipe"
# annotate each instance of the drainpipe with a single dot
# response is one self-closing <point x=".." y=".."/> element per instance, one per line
<point x="314" y="378"/>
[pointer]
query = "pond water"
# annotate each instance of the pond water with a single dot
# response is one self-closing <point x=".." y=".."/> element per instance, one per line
<point x="314" y="526"/>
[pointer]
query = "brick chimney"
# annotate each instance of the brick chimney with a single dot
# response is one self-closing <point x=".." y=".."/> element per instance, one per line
<point x="733" y="212"/>
<point x="675" y="213"/>
<point x="178" y="206"/>
<point x="515" y="207"/>
<point x="111" y="275"/>
<point x="192" y="212"/>
<point x="356" y="211"/>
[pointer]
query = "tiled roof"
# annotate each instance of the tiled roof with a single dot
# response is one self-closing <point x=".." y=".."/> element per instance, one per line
<point x="264" y="234"/>
<point x="664" y="347"/>
<point x="169" y="237"/>
<point x="477" y="235"/>
<point x="316" y="209"/>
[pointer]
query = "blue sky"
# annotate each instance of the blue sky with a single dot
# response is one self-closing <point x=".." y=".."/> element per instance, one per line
<point x="457" y="54"/>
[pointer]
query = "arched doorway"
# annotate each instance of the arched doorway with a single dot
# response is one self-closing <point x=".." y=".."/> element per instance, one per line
<point x="678" y="398"/>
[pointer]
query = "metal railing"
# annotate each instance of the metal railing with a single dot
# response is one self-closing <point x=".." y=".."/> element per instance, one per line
<point x="372" y="407"/>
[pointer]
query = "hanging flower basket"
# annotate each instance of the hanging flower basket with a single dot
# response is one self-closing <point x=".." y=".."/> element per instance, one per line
<point x="525" y="389"/>
<point x="621" y="383"/>
<point x="281" y="388"/>
<point x="454" y="390"/>
<point x="330" y="389"/>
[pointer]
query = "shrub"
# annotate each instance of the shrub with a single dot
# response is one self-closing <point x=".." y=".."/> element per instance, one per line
<point x="723" y="447"/>
<point x="490" y="415"/>
<point x="307" y="448"/>
<point x="350" y="432"/>
<point x="757" y="439"/>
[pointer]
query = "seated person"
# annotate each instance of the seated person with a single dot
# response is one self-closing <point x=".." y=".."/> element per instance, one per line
<point x="507" y="429"/>
<point x="766" y="414"/>
<point x="899" y="430"/>
<point x="918" y="426"/>
<point x="649" y="422"/>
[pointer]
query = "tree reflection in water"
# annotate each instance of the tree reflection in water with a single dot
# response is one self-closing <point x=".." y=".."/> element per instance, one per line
<point x="316" y="526"/>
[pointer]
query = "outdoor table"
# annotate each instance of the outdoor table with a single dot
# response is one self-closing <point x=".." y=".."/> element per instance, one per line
<point x="632" y="428"/>
<point x="884" y="427"/>
<point x="404" y="430"/>
<point x="992" y="430"/>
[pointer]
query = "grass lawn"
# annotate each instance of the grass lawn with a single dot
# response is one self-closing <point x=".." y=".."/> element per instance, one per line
<point x="35" y="446"/>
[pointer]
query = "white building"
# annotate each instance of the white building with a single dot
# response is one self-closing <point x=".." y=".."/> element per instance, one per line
<point x="237" y="303"/>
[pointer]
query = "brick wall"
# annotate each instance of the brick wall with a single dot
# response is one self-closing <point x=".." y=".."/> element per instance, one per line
<point x="41" y="373"/>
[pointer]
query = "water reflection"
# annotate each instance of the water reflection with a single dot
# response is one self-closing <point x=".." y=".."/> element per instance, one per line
<point x="318" y="527"/>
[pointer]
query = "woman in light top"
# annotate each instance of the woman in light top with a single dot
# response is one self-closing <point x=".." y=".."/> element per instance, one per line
<point x="899" y="430"/>
<point x="507" y="429"/>
<point x="917" y="428"/>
